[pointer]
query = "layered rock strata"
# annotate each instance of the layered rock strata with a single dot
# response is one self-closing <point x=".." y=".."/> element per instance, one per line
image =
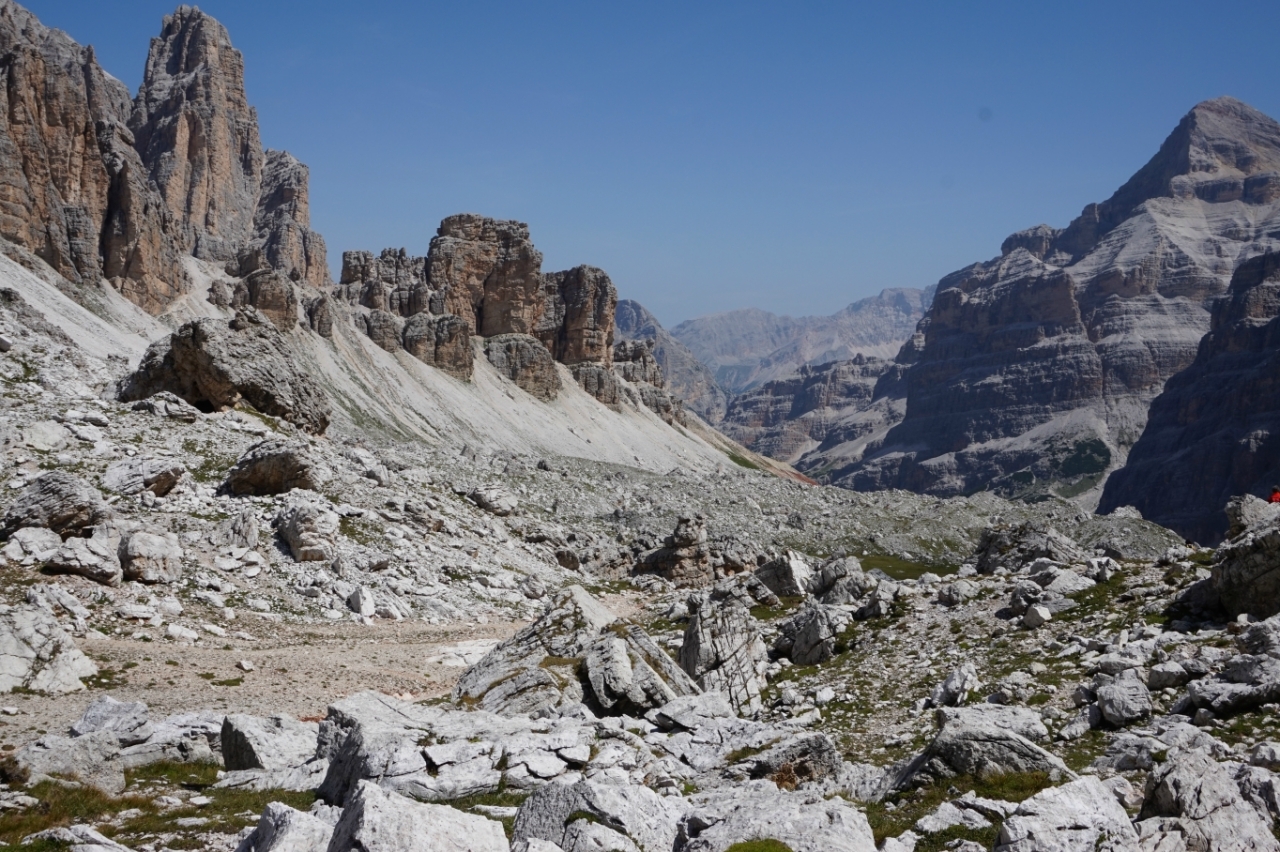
<point x="1033" y="373"/>
<point x="685" y="377"/>
<point x="1215" y="430"/>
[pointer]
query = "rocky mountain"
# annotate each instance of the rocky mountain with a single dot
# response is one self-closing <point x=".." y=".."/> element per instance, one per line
<point x="1212" y="432"/>
<point x="1033" y="373"/>
<point x="746" y="348"/>
<point x="688" y="378"/>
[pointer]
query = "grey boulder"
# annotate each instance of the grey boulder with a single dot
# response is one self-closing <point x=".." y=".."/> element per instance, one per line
<point x="61" y="501"/>
<point x="133" y="476"/>
<point x="36" y="654"/>
<point x="272" y="742"/>
<point x="377" y="821"/>
<point x="128" y="720"/>
<point x="284" y="829"/>
<point x="150" y="558"/>
<point x="804" y="822"/>
<point x="275" y="466"/>
<point x="1082" y="816"/>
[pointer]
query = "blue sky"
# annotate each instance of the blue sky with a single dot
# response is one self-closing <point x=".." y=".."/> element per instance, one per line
<point x="716" y="155"/>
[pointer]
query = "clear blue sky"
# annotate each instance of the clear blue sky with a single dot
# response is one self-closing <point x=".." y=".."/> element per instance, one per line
<point x="716" y="155"/>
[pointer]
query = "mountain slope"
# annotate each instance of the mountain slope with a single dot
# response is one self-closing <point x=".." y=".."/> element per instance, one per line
<point x="1034" y="372"/>
<point x="746" y="348"/>
<point x="1215" y="430"/>
<point x="687" y="377"/>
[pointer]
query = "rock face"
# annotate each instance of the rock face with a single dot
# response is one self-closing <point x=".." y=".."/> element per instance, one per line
<point x="1033" y="373"/>
<point x="198" y="135"/>
<point x="1213" y="432"/>
<point x="213" y="364"/>
<point x="276" y="466"/>
<point x="488" y="273"/>
<point x="803" y="418"/>
<point x="1244" y="574"/>
<point x="635" y="362"/>
<point x="73" y="190"/>
<point x="525" y="361"/>
<point x="282" y="222"/>
<point x="36" y="654"/>
<point x="577" y="318"/>
<point x="687" y="378"/>
<point x="749" y="347"/>
<point x="576" y="641"/>
<point x="723" y="650"/>
<point x="444" y="342"/>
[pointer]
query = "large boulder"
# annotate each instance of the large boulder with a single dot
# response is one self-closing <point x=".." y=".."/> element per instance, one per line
<point x="577" y="651"/>
<point x="723" y="650"/>
<point x="272" y="742"/>
<point x="1211" y="802"/>
<point x="444" y="342"/>
<point x="1125" y="699"/>
<point x="61" y="501"/>
<point x="133" y="476"/>
<point x="309" y="527"/>
<point x="1246" y="571"/>
<point x="525" y="361"/>
<point x="128" y="720"/>
<point x="803" y="822"/>
<point x="214" y="364"/>
<point x="632" y="817"/>
<point x="985" y="739"/>
<point x="377" y="821"/>
<point x="1082" y="816"/>
<point x="150" y="558"/>
<point x="1014" y="547"/>
<point x="36" y="654"/>
<point x="786" y="576"/>
<point x="96" y="558"/>
<point x="284" y="829"/>
<point x="92" y="759"/>
<point x="275" y="466"/>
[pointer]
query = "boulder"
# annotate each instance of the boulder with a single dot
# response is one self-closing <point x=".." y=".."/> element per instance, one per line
<point x="633" y="813"/>
<point x="955" y="690"/>
<point x="840" y="581"/>
<point x="983" y="739"/>
<point x="214" y="364"/>
<point x="1081" y="816"/>
<point x="96" y="558"/>
<point x="718" y="821"/>
<point x="309" y="527"/>
<point x="92" y="759"/>
<point x="239" y="530"/>
<point x="1246" y="571"/>
<point x="272" y="742"/>
<point x="377" y="821"/>
<point x="128" y="720"/>
<point x="150" y="558"/>
<point x="283" y="829"/>
<point x="275" y="466"/>
<point x="444" y="342"/>
<point x="787" y="576"/>
<point x="684" y="558"/>
<point x="165" y="404"/>
<point x="31" y="544"/>
<point x="1248" y="512"/>
<point x="1209" y="801"/>
<point x="723" y="650"/>
<point x="1247" y="681"/>
<point x="525" y="361"/>
<point x="495" y="501"/>
<point x="575" y="640"/>
<point x="1125" y="699"/>
<point x="58" y="500"/>
<point x="809" y="637"/>
<point x="1013" y="547"/>
<point x="133" y="476"/>
<point x="36" y="654"/>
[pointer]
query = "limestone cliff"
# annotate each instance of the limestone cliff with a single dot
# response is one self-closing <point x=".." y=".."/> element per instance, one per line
<point x="1214" y="432"/>
<point x="685" y="376"/>
<point x="1033" y="373"/>
<point x="73" y="190"/>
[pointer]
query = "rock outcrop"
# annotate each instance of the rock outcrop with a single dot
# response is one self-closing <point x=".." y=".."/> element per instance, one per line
<point x="198" y="135"/>
<point x="818" y="415"/>
<point x="1033" y="373"/>
<point x="282" y="222"/>
<point x="214" y="364"/>
<point x="444" y="342"/>
<point x="687" y="378"/>
<point x="488" y="273"/>
<point x="577" y="315"/>
<point x="73" y="189"/>
<point x="1215" y="430"/>
<point x="525" y="361"/>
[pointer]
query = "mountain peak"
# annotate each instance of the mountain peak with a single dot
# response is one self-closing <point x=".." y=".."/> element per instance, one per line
<point x="1222" y="150"/>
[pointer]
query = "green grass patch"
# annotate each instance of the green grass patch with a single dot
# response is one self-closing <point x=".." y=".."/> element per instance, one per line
<point x="901" y="569"/>
<point x="911" y="806"/>
<point x="760" y="846"/>
<point x="787" y="605"/>
<point x="741" y="461"/>
<point x="501" y="799"/>
<point x="61" y="805"/>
